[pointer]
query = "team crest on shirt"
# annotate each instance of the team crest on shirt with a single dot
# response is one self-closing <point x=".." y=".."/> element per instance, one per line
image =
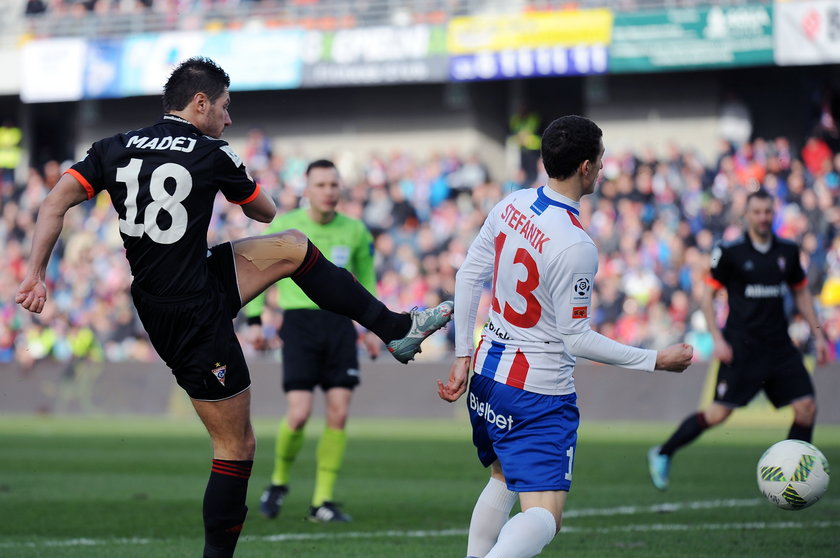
<point x="581" y="288"/>
<point x="219" y="372"/>
<point x="781" y="262"/>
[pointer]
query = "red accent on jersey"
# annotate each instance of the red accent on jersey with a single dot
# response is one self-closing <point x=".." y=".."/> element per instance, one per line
<point x="475" y="354"/>
<point x="714" y="283"/>
<point x="574" y="219"/>
<point x="88" y="188"/>
<point x="518" y="370"/>
<point x="250" y="198"/>
<point x="578" y="312"/>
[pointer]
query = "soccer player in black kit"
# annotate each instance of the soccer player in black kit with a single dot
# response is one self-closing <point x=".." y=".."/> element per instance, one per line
<point x="162" y="181"/>
<point x="754" y="348"/>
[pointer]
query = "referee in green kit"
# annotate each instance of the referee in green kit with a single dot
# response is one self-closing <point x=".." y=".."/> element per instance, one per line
<point x="319" y="347"/>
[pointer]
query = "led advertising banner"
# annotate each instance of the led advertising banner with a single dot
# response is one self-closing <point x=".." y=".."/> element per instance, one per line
<point x="74" y="69"/>
<point x="254" y="60"/>
<point x="570" y="42"/>
<point x="52" y="70"/>
<point x="807" y="32"/>
<point x="102" y="69"/>
<point x="374" y="55"/>
<point x="692" y="37"/>
<point x="468" y="35"/>
<point x="529" y="62"/>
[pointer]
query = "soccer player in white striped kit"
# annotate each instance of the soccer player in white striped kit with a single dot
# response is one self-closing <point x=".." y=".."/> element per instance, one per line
<point x="522" y="400"/>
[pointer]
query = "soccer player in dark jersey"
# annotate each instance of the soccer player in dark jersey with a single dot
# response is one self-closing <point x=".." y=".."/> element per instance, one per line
<point x="162" y="181"/>
<point x="754" y="348"/>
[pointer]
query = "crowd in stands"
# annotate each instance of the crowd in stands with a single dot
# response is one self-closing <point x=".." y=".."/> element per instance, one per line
<point x="655" y="218"/>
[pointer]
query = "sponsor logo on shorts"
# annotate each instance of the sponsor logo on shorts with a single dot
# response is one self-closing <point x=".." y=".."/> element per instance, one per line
<point x="219" y="372"/>
<point x="484" y="410"/>
<point x="578" y="312"/>
<point x="353" y="372"/>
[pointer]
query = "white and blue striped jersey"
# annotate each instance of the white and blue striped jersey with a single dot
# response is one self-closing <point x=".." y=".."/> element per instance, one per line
<point x="543" y="264"/>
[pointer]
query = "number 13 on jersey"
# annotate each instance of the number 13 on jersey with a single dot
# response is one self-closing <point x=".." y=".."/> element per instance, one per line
<point x="524" y="288"/>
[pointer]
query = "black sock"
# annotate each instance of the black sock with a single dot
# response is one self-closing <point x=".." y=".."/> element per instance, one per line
<point x="801" y="432"/>
<point x="687" y="432"/>
<point x="335" y="289"/>
<point x="224" y="506"/>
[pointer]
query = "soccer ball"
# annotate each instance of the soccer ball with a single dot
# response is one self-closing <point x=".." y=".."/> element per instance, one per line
<point x="793" y="474"/>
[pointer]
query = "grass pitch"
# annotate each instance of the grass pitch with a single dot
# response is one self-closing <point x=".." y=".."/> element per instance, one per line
<point x="132" y="487"/>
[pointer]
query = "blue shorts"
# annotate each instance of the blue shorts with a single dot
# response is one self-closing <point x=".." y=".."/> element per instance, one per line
<point x="532" y="435"/>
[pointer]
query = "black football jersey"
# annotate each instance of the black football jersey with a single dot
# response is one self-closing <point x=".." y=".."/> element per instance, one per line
<point x="163" y="181"/>
<point x="756" y="284"/>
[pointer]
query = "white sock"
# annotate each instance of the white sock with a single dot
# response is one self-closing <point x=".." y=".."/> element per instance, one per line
<point x="525" y="535"/>
<point x="491" y="512"/>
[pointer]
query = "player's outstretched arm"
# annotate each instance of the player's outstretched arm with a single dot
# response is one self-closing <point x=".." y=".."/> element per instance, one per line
<point x="457" y="383"/>
<point x="675" y="358"/>
<point x="32" y="291"/>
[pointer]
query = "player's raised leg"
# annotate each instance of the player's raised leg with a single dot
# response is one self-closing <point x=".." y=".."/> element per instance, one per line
<point x="262" y="261"/>
<point x="234" y="444"/>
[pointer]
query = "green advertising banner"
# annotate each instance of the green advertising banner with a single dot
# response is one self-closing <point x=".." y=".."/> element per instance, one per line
<point x="692" y="37"/>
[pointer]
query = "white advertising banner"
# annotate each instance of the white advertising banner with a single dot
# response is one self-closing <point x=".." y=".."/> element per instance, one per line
<point x="806" y="32"/>
<point x="52" y="70"/>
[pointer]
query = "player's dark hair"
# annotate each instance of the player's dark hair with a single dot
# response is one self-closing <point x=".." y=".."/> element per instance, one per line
<point x="760" y="194"/>
<point x="320" y="164"/>
<point x="194" y="75"/>
<point x="567" y="142"/>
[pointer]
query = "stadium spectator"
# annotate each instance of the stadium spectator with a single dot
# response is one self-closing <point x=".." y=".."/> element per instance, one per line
<point x="35" y="7"/>
<point x="524" y="127"/>
<point x="10" y="153"/>
<point x="522" y="400"/>
<point x="754" y="348"/>
<point x="319" y="347"/>
<point x="186" y="294"/>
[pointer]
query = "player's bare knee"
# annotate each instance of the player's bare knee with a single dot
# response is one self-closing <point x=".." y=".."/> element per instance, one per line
<point x="716" y="415"/>
<point x="805" y="410"/>
<point x="264" y="251"/>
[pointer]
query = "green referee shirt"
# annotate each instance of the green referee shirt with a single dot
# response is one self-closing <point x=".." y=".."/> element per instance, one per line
<point x="344" y="241"/>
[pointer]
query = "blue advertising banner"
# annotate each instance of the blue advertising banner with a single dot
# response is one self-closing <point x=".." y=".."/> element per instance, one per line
<point x="254" y="60"/>
<point x="102" y="70"/>
<point x="529" y="62"/>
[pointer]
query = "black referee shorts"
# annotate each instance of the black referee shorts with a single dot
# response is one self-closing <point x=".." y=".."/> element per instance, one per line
<point x="194" y="333"/>
<point x="319" y="349"/>
<point x="774" y="366"/>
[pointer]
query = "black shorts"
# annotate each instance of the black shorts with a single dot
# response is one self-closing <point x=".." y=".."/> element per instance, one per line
<point x="773" y="366"/>
<point x="194" y="333"/>
<point x="319" y="349"/>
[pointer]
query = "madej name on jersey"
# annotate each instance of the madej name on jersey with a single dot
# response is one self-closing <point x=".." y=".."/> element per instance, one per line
<point x="180" y="143"/>
<point x="522" y="224"/>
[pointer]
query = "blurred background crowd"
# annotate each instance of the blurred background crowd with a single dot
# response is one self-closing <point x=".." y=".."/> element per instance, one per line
<point x="655" y="218"/>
